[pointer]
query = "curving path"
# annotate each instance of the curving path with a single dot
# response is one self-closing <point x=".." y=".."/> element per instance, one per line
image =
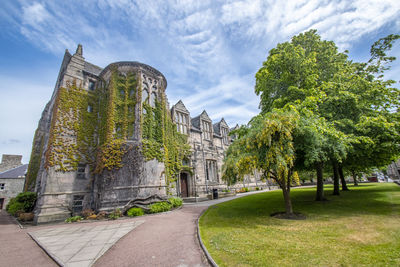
<point x="167" y="239"/>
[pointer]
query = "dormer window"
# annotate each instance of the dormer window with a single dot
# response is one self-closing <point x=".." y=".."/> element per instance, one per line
<point x="181" y="121"/>
<point x="206" y="130"/>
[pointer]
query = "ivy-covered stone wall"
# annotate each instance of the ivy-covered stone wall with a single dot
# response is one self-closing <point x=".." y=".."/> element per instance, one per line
<point x="129" y="145"/>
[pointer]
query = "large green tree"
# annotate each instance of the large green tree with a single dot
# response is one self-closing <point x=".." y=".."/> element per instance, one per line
<point x="351" y="105"/>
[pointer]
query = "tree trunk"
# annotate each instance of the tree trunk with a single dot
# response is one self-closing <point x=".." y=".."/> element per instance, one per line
<point x="342" y="180"/>
<point x="353" y="173"/>
<point x="320" y="182"/>
<point x="335" y="178"/>
<point x="288" y="202"/>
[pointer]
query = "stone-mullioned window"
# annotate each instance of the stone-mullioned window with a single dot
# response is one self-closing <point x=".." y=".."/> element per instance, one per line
<point x="182" y="122"/>
<point x="206" y="130"/>
<point x="211" y="170"/>
<point x="224" y="133"/>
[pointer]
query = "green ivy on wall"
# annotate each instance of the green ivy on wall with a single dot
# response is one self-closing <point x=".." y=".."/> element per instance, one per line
<point x="73" y="128"/>
<point x="94" y="126"/>
<point x="34" y="161"/>
<point x="117" y="119"/>
<point x="161" y="140"/>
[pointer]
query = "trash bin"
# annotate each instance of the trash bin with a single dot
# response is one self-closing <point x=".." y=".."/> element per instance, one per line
<point x="215" y="193"/>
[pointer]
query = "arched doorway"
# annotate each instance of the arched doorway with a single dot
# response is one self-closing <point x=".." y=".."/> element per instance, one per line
<point x="184" y="184"/>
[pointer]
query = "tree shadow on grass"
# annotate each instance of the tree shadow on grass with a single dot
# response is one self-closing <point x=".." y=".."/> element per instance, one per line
<point x="367" y="199"/>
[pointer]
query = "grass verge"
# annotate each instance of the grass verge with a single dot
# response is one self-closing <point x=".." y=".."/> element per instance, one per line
<point x="361" y="227"/>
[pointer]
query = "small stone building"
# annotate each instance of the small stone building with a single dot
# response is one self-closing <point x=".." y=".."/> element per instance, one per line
<point x="108" y="137"/>
<point x="393" y="170"/>
<point x="12" y="178"/>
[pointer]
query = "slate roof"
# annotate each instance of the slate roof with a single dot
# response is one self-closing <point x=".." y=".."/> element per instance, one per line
<point x="196" y="122"/>
<point x="91" y="68"/>
<point x="195" y="129"/>
<point x="15" y="172"/>
<point x="216" y="127"/>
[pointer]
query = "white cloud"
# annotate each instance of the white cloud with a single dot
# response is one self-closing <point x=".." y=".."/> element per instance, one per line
<point x="208" y="50"/>
<point x="341" y="21"/>
<point x="34" y="14"/>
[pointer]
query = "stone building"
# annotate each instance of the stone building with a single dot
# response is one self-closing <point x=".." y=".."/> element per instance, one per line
<point x="12" y="178"/>
<point x="106" y="138"/>
<point x="10" y="161"/>
<point x="393" y="170"/>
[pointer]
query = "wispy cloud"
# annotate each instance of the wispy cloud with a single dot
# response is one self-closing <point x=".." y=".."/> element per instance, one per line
<point x="208" y="50"/>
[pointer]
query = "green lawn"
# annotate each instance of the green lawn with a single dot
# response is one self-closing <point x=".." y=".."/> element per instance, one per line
<point x="360" y="227"/>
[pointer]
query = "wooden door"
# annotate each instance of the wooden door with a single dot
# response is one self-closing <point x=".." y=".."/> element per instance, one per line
<point x="184" y="185"/>
<point x="1" y="203"/>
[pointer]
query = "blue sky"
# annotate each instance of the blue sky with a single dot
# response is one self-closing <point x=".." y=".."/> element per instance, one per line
<point x="209" y="51"/>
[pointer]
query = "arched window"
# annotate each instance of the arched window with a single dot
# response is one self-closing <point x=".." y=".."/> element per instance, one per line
<point x="153" y="97"/>
<point x="145" y="95"/>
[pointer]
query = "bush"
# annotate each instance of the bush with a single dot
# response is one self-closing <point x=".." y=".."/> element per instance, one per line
<point x="160" y="207"/>
<point x="243" y="190"/>
<point x="257" y="188"/>
<point x="14" y="207"/>
<point x="175" y="201"/>
<point x="23" y="202"/>
<point x="74" y="219"/>
<point x="87" y="213"/>
<point x="26" y="216"/>
<point x="28" y="199"/>
<point x="132" y="212"/>
<point x="115" y="214"/>
<point x="101" y="215"/>
<point x="92" y="217"/>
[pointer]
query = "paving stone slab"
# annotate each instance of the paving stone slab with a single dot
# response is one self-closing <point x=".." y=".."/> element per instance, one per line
<point x="81" y="246"/>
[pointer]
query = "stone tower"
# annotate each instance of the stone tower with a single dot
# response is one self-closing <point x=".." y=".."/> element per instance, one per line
<point x="88" y="148"/>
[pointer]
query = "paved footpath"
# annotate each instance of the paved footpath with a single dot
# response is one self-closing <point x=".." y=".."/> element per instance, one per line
<point x="17" y="247"/>
<point x="167" y="239"/>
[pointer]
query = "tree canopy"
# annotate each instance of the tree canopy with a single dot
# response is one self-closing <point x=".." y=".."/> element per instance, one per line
<point x="318" y="108"/>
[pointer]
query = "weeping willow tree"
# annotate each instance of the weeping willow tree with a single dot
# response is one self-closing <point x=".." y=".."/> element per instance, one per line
<point x="266" y="145"/>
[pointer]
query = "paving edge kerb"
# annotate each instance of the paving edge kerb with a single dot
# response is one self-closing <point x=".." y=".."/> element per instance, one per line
<point x="52" y="256"/>
<point x="208" y="256"/>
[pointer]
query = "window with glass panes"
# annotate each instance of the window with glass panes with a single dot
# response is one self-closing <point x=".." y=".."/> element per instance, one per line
<point x="206" y="130"/>
<point x="182" y="122"/>
<point x="224" y="133"/>
<point x="211" y="170"/>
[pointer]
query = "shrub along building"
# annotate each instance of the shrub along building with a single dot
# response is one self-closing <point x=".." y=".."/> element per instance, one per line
<point x="107" y="138"/>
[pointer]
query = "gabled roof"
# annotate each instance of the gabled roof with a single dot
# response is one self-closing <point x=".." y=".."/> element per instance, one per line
<point x="91" y="68"/>
<point x="181" y="107"/>
<point x="204" y="116"/>
<point x="234" y="128"/>
<point x="15" y="172"/>
<point x="196" y="120"/>
<point x="217" y="126"/>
